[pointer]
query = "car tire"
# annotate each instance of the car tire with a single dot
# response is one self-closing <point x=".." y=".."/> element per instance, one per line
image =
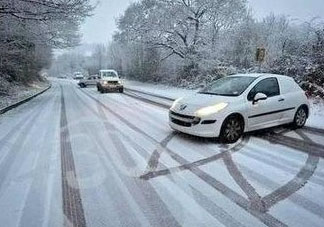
<point x="232" y="129"/>
<point x="300" y="117"/>
<point x="82" y="86"/>
<point x="121" y="90"/>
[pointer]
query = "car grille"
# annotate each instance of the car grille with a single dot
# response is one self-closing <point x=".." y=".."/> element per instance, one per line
<point x="183" y="120"/>
<point x="181" y="115"/>
<point x="113" y="82"/>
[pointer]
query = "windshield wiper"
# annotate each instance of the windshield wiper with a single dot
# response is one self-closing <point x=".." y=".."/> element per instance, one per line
<point x="207" y="93"/>
<point x="211" y="93"/>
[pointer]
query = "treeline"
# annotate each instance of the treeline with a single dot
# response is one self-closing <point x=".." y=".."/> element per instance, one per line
<point x="30" y="29"/>
<point x="192" y="42"/>
<point x="187" y="42"/>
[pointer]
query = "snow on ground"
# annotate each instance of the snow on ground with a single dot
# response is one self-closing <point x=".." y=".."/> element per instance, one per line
<point x="315" y="120"/>
<point x="163" y="90"/>
<point x="11" y="93"/>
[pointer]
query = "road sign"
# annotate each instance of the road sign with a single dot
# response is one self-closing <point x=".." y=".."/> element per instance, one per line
<point x="260" y="54"/>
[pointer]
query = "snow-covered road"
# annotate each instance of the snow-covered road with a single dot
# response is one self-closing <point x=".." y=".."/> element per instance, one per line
<point x="75" y="157"/>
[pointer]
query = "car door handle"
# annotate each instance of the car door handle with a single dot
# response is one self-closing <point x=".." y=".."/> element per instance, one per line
<point x="281" y="100"/>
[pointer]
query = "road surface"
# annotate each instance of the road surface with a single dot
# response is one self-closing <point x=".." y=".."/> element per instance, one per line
<point x="74" y="157"/>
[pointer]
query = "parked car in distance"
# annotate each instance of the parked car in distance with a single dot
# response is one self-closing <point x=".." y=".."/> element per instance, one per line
<point x="78" y="76"/>
<point x="89" y="81"/>
<point x="241" y="103"/>
<point x="109" y="81"/>
<point x="62" y="77"/>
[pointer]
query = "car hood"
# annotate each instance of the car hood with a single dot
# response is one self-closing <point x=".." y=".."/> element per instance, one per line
<point x="198" y="101"/>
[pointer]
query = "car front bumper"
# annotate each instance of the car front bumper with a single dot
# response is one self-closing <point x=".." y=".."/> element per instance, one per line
<point x="112" y="87"/>
<point x="202" y="127"/>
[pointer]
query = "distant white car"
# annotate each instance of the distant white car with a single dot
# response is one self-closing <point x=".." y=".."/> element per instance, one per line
<point x="236" y="104"/>
<point x="78" y="76"/>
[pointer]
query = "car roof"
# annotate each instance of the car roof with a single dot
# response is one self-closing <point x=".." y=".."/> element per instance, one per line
<point x="108" y="70"/>
<point x="261" y="75"/>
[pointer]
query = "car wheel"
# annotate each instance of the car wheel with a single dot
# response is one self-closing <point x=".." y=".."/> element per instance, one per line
<point x="121" y="90"/>
<point x="300" y="117"/>
<point x="232" y="129"/>
<point x="82" y="85"/>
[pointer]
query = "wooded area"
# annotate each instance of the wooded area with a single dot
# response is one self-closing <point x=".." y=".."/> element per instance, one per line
<point x="191" y="42"/>
<point x="30" y="29"/>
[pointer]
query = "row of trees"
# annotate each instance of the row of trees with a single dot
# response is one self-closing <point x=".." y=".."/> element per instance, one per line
<point x="30" y="29"/>
<point x="195" y="41"/>
<point x="191" y="42"/>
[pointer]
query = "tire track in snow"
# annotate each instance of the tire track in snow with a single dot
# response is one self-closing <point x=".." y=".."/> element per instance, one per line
<point x="255" y="199"/>
<point x="140" y="150"/>
<point x="298" y="182"/>
<point x="142" y="192"/>
<point x="306" y="145"/>
<point x="265" y="218"/>
<point x="16" y="149"/>
<point x="154" y="160"/>
<point x="72" y="203"/>
<point x="24" y="120"/>
<point x="35" y="212"/>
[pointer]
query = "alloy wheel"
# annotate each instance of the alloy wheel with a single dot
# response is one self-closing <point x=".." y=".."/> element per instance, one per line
<point x="233" y="130"/>
<point x="301" y="117"/>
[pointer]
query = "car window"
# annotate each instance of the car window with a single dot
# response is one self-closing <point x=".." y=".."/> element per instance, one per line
<point x="269" y="87"/>
<point x="229" y="86"/>
<point x="109" y="74"/>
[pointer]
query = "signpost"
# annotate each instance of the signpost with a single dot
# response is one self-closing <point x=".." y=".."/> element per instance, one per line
<point x="260" y="56"/>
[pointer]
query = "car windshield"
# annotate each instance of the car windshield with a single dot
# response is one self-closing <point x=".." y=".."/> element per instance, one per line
<point x="109" y="74"/>
<point x="228" y="86"/>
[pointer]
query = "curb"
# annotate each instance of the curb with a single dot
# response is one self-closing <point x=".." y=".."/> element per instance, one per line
<point x="6" y="109"/>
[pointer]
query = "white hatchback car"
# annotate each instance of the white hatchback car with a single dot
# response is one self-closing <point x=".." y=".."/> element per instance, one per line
<point x="236" y="104"/>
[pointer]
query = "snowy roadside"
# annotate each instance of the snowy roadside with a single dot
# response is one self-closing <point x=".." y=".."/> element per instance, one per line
<point x="11" y="93"/>
<point x="315" y="120"/>
<point x="163" y="90"/>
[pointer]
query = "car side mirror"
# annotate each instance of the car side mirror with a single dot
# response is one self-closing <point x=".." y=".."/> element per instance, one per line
<point x="258" y="97"/>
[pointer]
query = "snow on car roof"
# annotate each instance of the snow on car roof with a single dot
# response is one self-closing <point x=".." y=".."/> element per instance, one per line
<point x="108" y="70"/>
<point x="257" y="75"/>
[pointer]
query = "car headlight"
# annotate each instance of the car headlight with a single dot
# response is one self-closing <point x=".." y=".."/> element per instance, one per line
<point x="211" y="109"/>
<point x="104" y="82"/>
<point x="175" y="103"/>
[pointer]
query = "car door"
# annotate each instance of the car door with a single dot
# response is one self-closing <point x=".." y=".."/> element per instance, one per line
<point x="93" y="80"/>
<point x="265" y="113"/>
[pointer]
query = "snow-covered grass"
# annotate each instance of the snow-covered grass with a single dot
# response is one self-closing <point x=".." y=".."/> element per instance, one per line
<point x="163" y="90"/>
<point x="13" y="92"/>
<point x="315" y="120"/>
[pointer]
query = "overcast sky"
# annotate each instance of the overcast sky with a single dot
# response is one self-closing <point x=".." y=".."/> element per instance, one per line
<point x="100" y="27"/>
